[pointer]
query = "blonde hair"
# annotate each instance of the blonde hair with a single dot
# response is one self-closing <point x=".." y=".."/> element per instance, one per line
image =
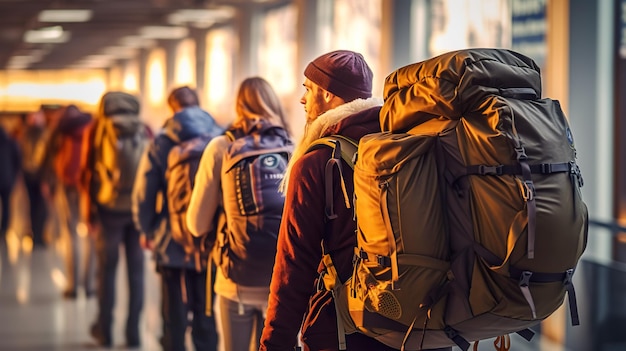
<point x="257" y="100"/>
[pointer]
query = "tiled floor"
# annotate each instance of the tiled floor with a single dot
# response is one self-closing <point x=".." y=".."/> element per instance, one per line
<point x="33" y="314"/>
<point x="35" y="317"/>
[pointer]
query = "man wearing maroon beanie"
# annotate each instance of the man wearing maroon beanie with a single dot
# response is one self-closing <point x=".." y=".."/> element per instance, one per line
<point x="337" y="100"/>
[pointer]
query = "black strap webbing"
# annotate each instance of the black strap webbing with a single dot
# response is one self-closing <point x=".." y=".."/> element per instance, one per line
<point x="457" y="338"/>
<point x="542" y="168"/>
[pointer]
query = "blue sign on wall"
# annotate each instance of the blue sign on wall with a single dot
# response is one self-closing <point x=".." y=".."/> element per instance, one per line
<point x="528" y="28"/>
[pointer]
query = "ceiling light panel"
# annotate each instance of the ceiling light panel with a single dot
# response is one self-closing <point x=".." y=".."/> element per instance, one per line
<point x="136" y="41"/>
<point x="202" y="18"/>
<point x="54" y="34"/>
<point x="163" y="32"/>
<point x="65" y="15"/>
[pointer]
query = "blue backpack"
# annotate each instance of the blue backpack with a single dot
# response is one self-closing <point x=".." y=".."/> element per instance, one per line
<point x="252" y="170"/>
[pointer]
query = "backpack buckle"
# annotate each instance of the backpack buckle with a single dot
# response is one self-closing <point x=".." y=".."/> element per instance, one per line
<point x="574" y="172"/>
<point x="450" y="333"/>
<point x="569" y="274"/>
<point x="383" y="261"/>
<point x="520" y="153"/>
<point x="524" y="279"/>
<point x="545" y="168"/>
<point x="490" y="170"/>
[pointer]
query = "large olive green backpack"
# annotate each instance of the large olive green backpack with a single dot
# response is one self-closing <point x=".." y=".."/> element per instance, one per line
<point x="469" y="215"/>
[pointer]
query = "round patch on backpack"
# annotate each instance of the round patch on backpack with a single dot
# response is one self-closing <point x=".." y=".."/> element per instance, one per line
<point x="269" y="161"/>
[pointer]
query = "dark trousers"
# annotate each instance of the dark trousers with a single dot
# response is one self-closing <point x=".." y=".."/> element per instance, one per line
<point x="183" y="291"/>
<point x="37" y="208"/>
<point x="5" y="216"/>
<point x="118" y="229"/>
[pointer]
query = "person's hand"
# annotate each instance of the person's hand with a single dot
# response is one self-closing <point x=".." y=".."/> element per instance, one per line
<point x="146" y="243"/>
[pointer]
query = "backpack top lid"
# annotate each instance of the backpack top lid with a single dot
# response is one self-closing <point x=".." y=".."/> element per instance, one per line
<point x="279" y="142"/>
<point x="119" y="103"/>
<point x="452" y="84"/>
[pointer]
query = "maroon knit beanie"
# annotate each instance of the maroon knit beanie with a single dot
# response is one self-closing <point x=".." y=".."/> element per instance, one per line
<point x="343" y="73"/>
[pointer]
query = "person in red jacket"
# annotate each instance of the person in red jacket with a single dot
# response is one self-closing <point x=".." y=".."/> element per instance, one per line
<point x="338" y="100"/>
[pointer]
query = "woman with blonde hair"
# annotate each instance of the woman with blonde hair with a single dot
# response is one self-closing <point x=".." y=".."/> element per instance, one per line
<point x="236" y="203"/>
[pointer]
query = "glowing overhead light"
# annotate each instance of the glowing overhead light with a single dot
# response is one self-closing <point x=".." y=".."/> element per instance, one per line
<point x="65" y="15"/>
<point x="54" y="34"/>
<point x="121" y="52"/>
<point x="135" y="41"/>
<point x="20" y="62"/>
<point x="20" y="59"/>
<point x="163" y="32"/>
<point x="201" y="18"/>
<point x="96" y="61"/>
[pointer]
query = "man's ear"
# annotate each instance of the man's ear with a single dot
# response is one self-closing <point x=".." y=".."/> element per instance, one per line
<point x="328" y="96"/>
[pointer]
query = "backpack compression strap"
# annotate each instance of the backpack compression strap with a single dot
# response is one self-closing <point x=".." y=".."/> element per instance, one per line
<point x="342" y="148"/>
<point x="329" y="280"/>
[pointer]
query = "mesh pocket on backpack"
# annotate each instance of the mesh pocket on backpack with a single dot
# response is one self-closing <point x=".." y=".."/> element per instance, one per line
<point x="375" y="292"/>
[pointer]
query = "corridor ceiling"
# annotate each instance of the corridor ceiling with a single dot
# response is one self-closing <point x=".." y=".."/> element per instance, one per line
<point x="110" y="21"/>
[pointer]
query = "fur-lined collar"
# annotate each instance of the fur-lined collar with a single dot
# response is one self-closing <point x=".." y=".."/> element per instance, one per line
<point x="321" y="124"/>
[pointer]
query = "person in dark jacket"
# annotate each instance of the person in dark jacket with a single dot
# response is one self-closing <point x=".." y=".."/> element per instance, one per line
<point x="337" y="100"/>
<point x="32" y="144"/>
<point x="111" y="222"/>
<point x="10" y="159"/>
<point x="150" y="210"/>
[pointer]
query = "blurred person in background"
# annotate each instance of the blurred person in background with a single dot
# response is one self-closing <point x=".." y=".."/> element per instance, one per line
<point x="10" y="161"/>
<point x="32" y="140"/>
<point x="69" y="140"/>
<point x="52" y="226"/>
<point x="32" y="144"/>
<point x="116" y="142"/>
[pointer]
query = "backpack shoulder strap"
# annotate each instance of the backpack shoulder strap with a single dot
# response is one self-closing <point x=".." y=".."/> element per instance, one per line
<point x="230" y="135"/>
<point x="342" y="148"/>
<point x="347" y="147"/>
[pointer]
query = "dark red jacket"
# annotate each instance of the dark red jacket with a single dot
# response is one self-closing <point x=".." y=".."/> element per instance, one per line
<point x="304" y="226"/>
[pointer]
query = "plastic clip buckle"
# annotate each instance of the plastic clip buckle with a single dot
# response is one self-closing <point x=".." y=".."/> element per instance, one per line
<point x="569" y="274"/>
<point x="450" y="333"/>
<point x="545" y="168"/>
<point x="490" y="170"/>
<point x="524" y="279"/>
<point x="520" y="153"/>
